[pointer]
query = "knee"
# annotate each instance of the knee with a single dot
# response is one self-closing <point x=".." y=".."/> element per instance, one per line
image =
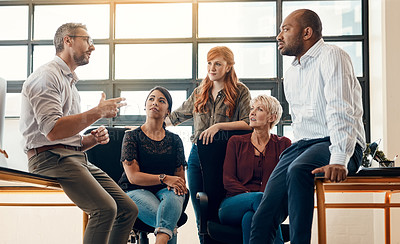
<point x="295" y="171"/>
<point x="129" y="210"/>
<point x="257" y="200"/>
<point x="174" y="203"/>
<point x="257" y="217"/>
<point x="247" y="219"/>
<point x="106" y="211"/>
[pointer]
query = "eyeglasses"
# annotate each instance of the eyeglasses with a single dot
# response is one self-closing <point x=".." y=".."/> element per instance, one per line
<point x="89" y="40"/>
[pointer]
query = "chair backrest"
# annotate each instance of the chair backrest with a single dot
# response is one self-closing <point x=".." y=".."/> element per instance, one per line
<point x="212" y="160"/>
<point x="107" y="157"/>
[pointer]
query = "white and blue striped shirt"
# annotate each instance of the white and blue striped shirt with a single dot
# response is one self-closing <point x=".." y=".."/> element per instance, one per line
<point x="325" y="100"/>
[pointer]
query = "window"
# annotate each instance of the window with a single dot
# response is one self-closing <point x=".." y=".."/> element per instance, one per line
<point x="140" y="45"/>
<point x="19" y="29"/>
<point x="13" y="62"/>
<point x="153" y="61"/>
<point x="175" y="20"/>
<point x="47" y="18"/>
<point x="237" y="19"/>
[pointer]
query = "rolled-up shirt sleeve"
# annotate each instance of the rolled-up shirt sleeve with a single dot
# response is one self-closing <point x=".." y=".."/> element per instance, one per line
<point x="244" y="104"/>
<point x="46" y="102"/>
<point x="185" y="111"/>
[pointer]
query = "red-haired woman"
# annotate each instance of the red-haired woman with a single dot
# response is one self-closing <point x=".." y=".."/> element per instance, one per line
<point x="221" y="102"/>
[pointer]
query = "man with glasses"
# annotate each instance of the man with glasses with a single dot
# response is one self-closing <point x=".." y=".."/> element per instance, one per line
<point x="50" y="123"/>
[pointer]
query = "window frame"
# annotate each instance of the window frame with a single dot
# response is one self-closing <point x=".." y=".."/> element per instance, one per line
<point x="113" y="87"/>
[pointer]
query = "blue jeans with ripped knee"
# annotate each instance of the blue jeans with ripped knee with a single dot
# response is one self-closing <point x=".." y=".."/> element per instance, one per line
<point x="161" y="210"/>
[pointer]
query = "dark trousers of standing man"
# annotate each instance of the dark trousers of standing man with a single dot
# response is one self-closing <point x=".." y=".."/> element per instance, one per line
<point x="111" y="212"/>
<point x="290" y="191"/>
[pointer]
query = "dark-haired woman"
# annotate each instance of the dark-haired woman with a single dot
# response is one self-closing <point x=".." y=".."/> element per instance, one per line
<point x="154" y="177"/>
<point x="221" y="102"/>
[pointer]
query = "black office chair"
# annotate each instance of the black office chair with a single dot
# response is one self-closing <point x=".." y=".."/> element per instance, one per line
<point x="107" y="157"/>
<point x="211" y="160"/>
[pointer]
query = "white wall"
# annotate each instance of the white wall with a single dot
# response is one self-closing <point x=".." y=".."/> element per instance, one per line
<point x="384" y="90"/>
<point x="3" y="87"/>
<point x="384" y="64"/>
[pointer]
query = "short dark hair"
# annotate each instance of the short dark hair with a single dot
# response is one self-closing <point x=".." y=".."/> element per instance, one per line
<point x="166" y="94"/>
<point x="311" y="19"/>
<point x="64" y="30"/>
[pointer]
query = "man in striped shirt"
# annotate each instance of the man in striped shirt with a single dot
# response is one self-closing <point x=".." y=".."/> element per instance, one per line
<point x="326" y="108"/>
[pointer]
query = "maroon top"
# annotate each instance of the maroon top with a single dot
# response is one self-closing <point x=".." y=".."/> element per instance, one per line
<point x="246" y="172"/>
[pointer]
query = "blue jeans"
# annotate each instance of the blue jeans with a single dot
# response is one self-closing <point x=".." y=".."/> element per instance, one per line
<point x="162" y="210"/>
<point x="195" y="182"/>
<point x="290" y="191"/>
<point x="239" y="210"/>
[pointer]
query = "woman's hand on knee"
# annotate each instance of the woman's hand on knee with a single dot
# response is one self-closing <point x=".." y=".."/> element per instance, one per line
<point x="176" y="183"/>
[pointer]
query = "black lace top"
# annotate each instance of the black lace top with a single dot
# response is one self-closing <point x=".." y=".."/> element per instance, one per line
<point x="154" y="157"/>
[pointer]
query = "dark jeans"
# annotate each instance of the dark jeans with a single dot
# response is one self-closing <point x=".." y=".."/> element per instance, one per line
<point x="239" y="211"/>
<point x="290" y="191"/>
<point x="195" y="182"/>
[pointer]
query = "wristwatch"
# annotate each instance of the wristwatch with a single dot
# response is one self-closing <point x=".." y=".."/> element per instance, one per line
<point x="162" y="178"/>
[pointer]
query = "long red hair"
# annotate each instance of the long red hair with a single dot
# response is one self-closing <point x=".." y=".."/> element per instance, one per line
<point x="231" y="81"/>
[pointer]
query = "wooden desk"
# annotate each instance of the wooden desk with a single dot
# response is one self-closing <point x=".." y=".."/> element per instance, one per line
<point x="13" y="181"/>
<point x="356" y="184"/>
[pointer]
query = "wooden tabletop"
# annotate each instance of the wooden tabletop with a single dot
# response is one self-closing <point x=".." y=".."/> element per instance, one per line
<point x="11" y="178"/>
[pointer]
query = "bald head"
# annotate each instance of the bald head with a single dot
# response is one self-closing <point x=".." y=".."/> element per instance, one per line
<point x="308" y="18"/>
<point x="300" y="30"/>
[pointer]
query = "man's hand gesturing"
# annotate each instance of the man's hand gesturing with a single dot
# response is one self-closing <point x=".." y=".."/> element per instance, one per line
<point x="109" y="108"/>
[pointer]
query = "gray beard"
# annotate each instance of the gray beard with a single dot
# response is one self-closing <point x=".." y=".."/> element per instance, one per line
<point x="80" y="60"/>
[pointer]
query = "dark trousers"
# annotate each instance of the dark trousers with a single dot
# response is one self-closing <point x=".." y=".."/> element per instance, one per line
<point x="290" y="191"/>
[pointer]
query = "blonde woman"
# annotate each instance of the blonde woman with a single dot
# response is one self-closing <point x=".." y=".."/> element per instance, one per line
<point x="249" y="161"/>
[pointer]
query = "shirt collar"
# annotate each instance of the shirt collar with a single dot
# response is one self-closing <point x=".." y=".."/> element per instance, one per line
<point x="73" y="78"/>
<point x="220" y="93"/>
<point x="312" y="52"/>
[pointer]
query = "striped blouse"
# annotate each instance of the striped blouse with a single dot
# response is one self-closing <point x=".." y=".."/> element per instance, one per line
<point x="325" y="99"/>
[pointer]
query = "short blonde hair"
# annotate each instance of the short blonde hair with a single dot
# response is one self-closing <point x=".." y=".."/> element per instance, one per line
<point x="271" y="105"/>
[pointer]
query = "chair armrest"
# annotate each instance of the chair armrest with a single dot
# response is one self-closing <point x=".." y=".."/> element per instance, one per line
<point x="203" y="202"/>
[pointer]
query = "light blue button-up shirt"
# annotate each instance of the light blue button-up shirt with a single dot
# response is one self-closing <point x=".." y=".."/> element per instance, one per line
<point x="48" y="94"/>
<point x="325" y="99"/>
